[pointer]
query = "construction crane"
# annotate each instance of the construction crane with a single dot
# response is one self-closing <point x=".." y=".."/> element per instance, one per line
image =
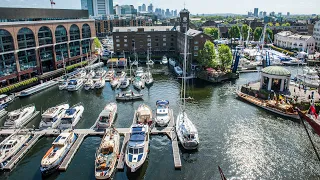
<point x="52" y="3"/>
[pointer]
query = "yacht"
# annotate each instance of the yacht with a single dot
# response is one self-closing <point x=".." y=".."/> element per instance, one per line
<point x="163" y="113"/>
<point x="137" y="147"/>
<point x="178" y="70"/>
<point x="91" y="74"/>
<point x="51" y="118"/>
<point x="115" y="82"/>
<point x="186" y="131"/>
<point x="75" y="84"/>
<point x="245" y="64"/>
<point x="128" y="96"/>
<point x="55" y="155"/>
<point x="110" y="75"/>
<point x="71" y="117"/>
<point x="100" y="73"/>
<point x="37" y="88"/>
<point x="150" y="62"/>
<point x="139" y="82"/>
<point x="20" y="117"/>
<point x="63" y="85"/>
<point x="172" y="62"/>
<point x="11" y="146"/>
<point x="164" y="60"/>
<point x="143" y="115"/>
<point x="149" y="78"/>
<point x="309" y="77"/>
<point x="107" y="155"/>
<point x="81" y="74"/>
<point x="124" y="83"/>
<point x="100" y="83"/>
<point x="5" y="99"/>
<point x="89" y="84"/>
<point x="3" y="112"/>
<point x="107" y="116"/>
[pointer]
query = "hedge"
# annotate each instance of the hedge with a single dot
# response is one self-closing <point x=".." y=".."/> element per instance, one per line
<point x="71" y="67"/>
<point x="282" y="50"/>
<point x="17" y="85"/>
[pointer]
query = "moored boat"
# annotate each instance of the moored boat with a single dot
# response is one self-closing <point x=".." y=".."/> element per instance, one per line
<point x="20" y="117"/>
<point x="172" y="62"/>
<point x="163" y="113"/>
<point x="187" y="132"/>
<point x="55" y="155"/>
<point x="3" y="112"/>
<point x="100" y="83"/>
<point x="5" y="99"/>
<point x="100" y="73"/>
<point x="115" y="82"/>
<point x="137" y="147"/>
<point x="107" y="155"/>
<point x="124" y="83"/>
<point x="75" y="84"/>
<point x="71" y="117"/>
<point x="107" y="116"/>
<point x="51" y="118"/>
<point x="309" y="77"/>
<point x="63" y="85"/>
<point x="128" y="95"/>
<point x="178" y="70"/>
<point x="312" y="118"/>
<point x="89" y="84"/>
<point x="143" y="115"/>
<point x="110" y="75"/>
<point x="37" y="88"/>
<point x="164" y="60"/>
<point x="138" y="82"/>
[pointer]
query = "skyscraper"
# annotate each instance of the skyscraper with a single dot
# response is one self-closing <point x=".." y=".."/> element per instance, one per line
<point x="288" y="13"/>
<point x="139" y="8"/>
<point x="264" y="13"/>
<point x="256" y="11"/>
<point x="150" y="8"/>
<point x="87" y="5"/>
<point x="260" y="14"/>
<point x="143" y="7"/>
<point x="175" y="13"/>
<point x="98" y="7"/>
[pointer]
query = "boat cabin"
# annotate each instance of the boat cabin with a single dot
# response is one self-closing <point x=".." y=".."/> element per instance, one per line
<point x="73" y="82"/>
<point x="105" y="116"/>
<point x="8" y="145"/>
<point x="61" y="140"/>
<point x="136" y="144"/>
<point x="144" y="116"/>
<point x="3" y="98"/>
<point x="69" y="116"/>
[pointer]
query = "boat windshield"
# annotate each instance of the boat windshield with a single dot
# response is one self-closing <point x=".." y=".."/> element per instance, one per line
<point x="135" y="150"/>
<point x="14" y="117"/>
<point x="104" y="118"/>
<point x="162" y="115"/>
<point x="66" y="120"/>
<point x="49" y="119"/>
<point x="6" y="147"/>
<point x="72" y="82"/>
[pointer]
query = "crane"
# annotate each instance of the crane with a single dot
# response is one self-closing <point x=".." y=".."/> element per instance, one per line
<point x="52" y="3"/>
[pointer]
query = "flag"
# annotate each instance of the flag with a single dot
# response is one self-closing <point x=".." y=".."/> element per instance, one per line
<point x="313" y="111"/>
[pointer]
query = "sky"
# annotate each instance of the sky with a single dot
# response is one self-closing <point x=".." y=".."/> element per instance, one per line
<point x="194" y="6"/>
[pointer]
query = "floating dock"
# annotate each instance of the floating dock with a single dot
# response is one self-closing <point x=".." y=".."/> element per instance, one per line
<point x="175" y="150"/>
<point x="121" y="160"/>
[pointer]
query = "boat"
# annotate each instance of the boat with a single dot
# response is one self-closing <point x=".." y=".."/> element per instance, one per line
<point x="309" y="77"/>
<point x="137" y="147"/>
<point x="110" y="75"/>
<point x="128" y="96"/>
<point x="124" y="83"/>
<point x="245" y="64"/>
<point x="55" y="155"/>
<point x="74" y="84"/>
<point x="100" y="73"/>
<point x="178" y="70"/>
<point x="107" y="116"/>
<point x="91" y="74"/>
<point x="3" y="112"/>
<point x="121" y="74"/>
<point x="172" y="62"/>
<point x="71" y="117"/>
<point x="280" y="108"/>
<point x="312" y="118"/>
<point x="143" y="115"/>
<point x="187" y="132"/>
<point x="294" y="62"/>
<point x="100" y="83"/>
<point x="115" y="82"/>
<point x="11" y="146"/>
<point x="89" y="84"/>
<point x="20" y="117"/>
<point x="51" y="118"/>
<point x="139" y="82"/>
<point x="149" y="78"/>
<point x="81" y="74"/>
<point x="37" y="88"/>
<point x="139" y="72"/>
<point x="107" y="155"/>
<point x="63" y="85"/>
<point x="164" y="60"/>
<point x="150" y="62"/>
<point x="163" y="113"/>
<point x="5" y="100"/>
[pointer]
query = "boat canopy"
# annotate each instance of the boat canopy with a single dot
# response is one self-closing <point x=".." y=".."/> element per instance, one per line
<point x="137" y="136"/>
<point x="73" y="82"/>
<point x="70" y="112"/>
<point x="61" y="139"/>
<point x="2" y="96"/>
<point x="162" y="102"/>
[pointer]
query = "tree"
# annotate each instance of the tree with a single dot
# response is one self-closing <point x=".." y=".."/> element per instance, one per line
<point x="97" y="43"/>
<point x="244" y="32"/>
<point x="234" y="32"/>
<point x="225" y="56"/>
<point x="257" y="33"/>
<point x="213" y="32"/>
<point x="208" y="55"/>
<point x="270" y="24"/>
<point x="277" y="24"/>
<point x="269" y="35"/>
<point x="286" y="24"/>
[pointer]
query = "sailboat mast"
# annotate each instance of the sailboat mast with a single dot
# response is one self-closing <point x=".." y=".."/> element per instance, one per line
<point x="184" y="70"/>
<point x="64" y="64"/>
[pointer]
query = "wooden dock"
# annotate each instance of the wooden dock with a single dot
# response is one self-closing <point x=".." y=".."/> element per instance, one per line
<point x="121" y="160"/>
<point x="66" y="161"/>
<point x="16" y="158"/>
<point x="175" y="150"/>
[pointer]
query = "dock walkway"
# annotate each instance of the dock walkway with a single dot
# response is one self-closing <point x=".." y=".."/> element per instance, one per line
<point x="175" y="150"/>
<point x="121" y="160"/>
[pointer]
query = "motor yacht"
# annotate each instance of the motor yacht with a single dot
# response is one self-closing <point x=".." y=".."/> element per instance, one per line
<point x="20" y="117"/>
<point x="71" y="117"/>
<point x="164" y="60"/>
<point x="143" y="115"/>
<point x="99" y="83"/>
<point x="51" y="118"/>
<point x="107" y="116"/>
<point x="163" y="113"/>
<point x="74" y="84"/>
<point x="89" y="84"/>
<point x="5" y="99"/>
<point x="125" y="82"/>
<point x="128" y="96"/>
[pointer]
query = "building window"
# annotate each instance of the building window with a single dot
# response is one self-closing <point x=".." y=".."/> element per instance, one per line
<point x="164" y="44"/>
<point x="195" y="53"/>
<point x="196" y="42"/>
<point x="196" y="48"/>
<point x="117" y="30"/>
<point x="125" y="36"/>
<point x="125" y="45"/>
<point x="149" y="39"/>
<point x="167" y="29"/>
<point x="157" y="39"/>
<point x="129" y="30"/>
<point x="164" y="39"/>
<point x="117" y="36"/>
<point x="125" y="40"/>
<point x="149" y="36"/>
<point x="118" y="45"/>
<point x="149" y="44"/>
<point x="171" y="44"/>
<point x="117" y="40"/>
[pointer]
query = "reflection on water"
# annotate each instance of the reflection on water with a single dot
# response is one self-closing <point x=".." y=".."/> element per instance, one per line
<point x="245" y="141"/>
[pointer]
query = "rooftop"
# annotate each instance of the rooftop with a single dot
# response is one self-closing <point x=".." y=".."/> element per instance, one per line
<point x="276" y="70"/>
<point x="145" y="28"/>
<point x="44" y="22"/>
<point x="291" y="35"/>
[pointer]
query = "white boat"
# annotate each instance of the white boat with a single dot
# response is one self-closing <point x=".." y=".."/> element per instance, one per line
<point x="63" y="85"/>
<point x="149" y="78"/>
<point x="125" y="82"/>
<point x="37" y="88"/>
<point x="3" y="112"/>
<point x="139" y="72"/>
<point x="100" y="83"/>
<point x="150" y="62"/>
<point x="107" y="116"/>
<point x="245" y="64"/>
<point x="115" y="82"/>
<point x="91" y="74"/>
<point x="128" y="96"/>
<point x="187" y="132"/>
<point x="309" y="77"/>
<point x="178" y="70"/>
<point x="107" y="155"/>
<point x="5" y="99"/>
<point x="110" y="75"/>
<point x="11" y="146"/>
<point x="100" y="73"/>
<point x="51" y="118"/>
<point x="172" y="62"/>
<point x="139" y="82"/>
<point x="20" y="117"/>
<point x="71" y="117"/>
<point x="137" y="147"/>
<point x="89" y="84"/>
<point x="163" y="113"/>
<point x="143" y="115"/>
<point x="74" y="84"/>
<point x="55" y="155"/>
<point x="81" y="74"/>
<point x="164" y="60"/>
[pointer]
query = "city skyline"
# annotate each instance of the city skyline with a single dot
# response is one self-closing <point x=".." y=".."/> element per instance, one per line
<point x="199" y="7"/>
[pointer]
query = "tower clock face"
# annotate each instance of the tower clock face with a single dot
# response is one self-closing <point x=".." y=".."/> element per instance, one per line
<point x="184" y="19"/>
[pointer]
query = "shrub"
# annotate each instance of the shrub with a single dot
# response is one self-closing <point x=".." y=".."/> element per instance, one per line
<point x="282" y="50"/>
<point x="17" y="85"/>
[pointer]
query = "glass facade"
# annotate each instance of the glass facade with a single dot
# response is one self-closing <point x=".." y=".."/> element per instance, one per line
<point x="46" y="55"/>
<point x="44" y="36"/>
<point x="61" y="34"/>
<point x="86" y="31"/>
<point x="85" y="46"/>
<point x="27" y="58"/>
<point x="61" y="49"/>
<point x="74" y="32"/>
<point x="7" y="61"/>
<point x="74" y="48"/>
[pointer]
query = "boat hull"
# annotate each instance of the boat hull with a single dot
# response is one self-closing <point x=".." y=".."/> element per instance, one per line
<point x="188" y="145"/>
<point x="314" y="124"/>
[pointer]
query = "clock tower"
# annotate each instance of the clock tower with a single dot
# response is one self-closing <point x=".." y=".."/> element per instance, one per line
<point x="184" y="20"/>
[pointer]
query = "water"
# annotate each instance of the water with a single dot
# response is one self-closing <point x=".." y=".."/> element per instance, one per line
<point x="245" y="141"/>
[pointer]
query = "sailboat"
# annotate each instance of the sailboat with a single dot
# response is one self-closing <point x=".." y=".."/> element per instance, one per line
<point x="148" y="75"/>
<point x="63" y="84"/>
<point x="186" y="131"/>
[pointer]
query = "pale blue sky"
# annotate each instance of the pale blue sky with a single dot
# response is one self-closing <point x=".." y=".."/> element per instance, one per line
<point x="194" y="6"/>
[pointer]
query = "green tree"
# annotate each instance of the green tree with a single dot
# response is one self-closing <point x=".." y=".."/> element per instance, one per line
<point x="269" y="35"/>
<point x="213" y="32"/>
<point x="225" y="56"/>
<point x="286" y="24"/>
<point x="244" y="32"/>
<point x="97" y="43"/>
<point x="257" y="33"/>
<point x="277" y="24"/>
<point x="270" y="24"/>
<point x="234" y="32"/>
<point x="208" y="55"/>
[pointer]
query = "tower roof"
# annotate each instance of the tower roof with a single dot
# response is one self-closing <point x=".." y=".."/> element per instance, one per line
<point x="276" y="70"/>
<point x="184" y="10"/>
